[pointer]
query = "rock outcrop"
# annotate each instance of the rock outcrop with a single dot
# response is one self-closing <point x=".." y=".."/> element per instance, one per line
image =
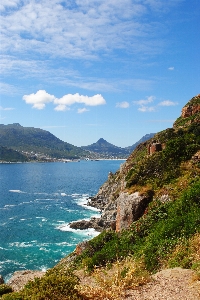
<point x="84" y="224"/>
<point x="190" y="110"/>
<point x="20" y="278"/>
<point x="130" y="208"/>
<point x="119" y="209"/>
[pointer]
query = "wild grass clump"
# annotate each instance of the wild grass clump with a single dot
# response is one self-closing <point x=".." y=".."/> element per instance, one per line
<point x="111" y="282"/>
<point x="52" y="286"/>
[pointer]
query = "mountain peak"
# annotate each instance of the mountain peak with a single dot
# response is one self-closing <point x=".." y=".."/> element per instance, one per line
<point x="190" y="113"/>
<point x="102" y="141"/>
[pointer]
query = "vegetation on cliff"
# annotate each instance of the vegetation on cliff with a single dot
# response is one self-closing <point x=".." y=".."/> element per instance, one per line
<point x="167" y="235"/>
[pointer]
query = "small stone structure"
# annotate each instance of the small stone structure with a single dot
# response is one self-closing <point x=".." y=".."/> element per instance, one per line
<point x="155" y="146"/>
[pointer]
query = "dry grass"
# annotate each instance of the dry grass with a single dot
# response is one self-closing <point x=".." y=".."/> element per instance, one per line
<point x="111" y="283"/>
<point x="186" y="254"/>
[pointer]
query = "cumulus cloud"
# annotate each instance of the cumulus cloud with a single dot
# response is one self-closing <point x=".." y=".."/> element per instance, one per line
<point x="171" y="68"/>
<point x="123" y="104"/>
<point x="82" y="110"/>
<point x="41" y="98"/>
<point x="167" y="103"/>
<point x="143" y="104"/>
<point x="70" y="99"/>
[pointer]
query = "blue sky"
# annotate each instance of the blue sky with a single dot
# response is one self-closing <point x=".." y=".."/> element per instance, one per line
<point x="90" y="69"/>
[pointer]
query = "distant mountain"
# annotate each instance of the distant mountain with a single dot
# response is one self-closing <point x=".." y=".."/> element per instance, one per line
<point x="38" y="144"/>
<point x="142" y="140"/>
<point x="104" y="148"/>
<point x="35" y="140"/>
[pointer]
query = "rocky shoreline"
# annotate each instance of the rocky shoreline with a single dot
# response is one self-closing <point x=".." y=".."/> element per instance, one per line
<point x="118" y="208"/>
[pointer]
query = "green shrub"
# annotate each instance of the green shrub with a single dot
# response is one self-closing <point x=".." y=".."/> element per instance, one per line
<point x="4" y="289"/>
<point x="53" y="286"/>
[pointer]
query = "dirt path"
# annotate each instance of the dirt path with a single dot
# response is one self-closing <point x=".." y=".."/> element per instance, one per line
<point x="169" y="284"/>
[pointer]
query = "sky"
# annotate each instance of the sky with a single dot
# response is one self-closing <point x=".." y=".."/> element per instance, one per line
<point x="90" y="69"/>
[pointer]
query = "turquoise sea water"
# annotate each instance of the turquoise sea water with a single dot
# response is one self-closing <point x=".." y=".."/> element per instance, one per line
<point x="37" y="202"/>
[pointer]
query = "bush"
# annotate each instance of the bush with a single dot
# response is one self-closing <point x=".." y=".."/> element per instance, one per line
<point x="4" y="289"/>
<point x="53" y="286"/>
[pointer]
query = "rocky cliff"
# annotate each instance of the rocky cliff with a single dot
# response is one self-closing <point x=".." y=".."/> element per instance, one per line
<point x="125" y="196"/>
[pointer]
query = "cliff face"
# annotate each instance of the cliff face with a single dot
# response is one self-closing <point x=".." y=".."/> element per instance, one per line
<point x="146" y="175"/>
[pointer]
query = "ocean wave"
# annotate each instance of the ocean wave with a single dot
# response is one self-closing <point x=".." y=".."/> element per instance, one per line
<point x="21" y="244"/>
<point x="63" y="194"/>
<point x="17" y="191"/>
<point x="9" y="205"/>
<point x="85" y="232"/>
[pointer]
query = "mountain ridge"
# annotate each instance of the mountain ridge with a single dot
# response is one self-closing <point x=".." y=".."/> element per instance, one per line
<point x="29" y="141"/>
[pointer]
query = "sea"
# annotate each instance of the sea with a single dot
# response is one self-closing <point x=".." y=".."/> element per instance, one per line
<point x="37" y="203"/>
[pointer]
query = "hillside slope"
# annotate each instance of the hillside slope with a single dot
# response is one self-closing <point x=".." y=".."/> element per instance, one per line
<point x="151" y="213"/>
<point x="30" y="139"/>
<point x="9" y="155"/>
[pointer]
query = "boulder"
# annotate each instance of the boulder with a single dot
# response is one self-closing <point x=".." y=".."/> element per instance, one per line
<point x="85" y="224"/>
<point x="20" y="278"/>
<point x="130" y="208"/>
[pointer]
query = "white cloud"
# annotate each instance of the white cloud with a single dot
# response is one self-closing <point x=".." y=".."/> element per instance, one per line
<point x="39" y="99"/>
<point x="171" y="68"/>
<point x="61" y="107"/>
<point x="143" y="104"/>
<point x="8" y="3"/>
<point x="146" y="108"/>
<point x="80" y="30"/>
<point x="70" y="99"/>
<point x="167" y="103"/>
<point x="6" y="108"/>
<point x="82" y="110"/>
<point x="123" y="104"/>
<point x="149" y="99"/>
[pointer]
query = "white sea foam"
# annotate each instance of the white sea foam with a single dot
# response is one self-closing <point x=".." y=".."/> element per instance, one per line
<point x="17" y="191"/>
<point x="75" y="195"/>
<point x="9" y="205"/>
<point x="63" y="194"/>
<point x="44" y="249"/>
<point x="83" y="202"/>
<point x="20" y="245"/>
<point x="44" y="199"/>
<point x="85" y="232"/>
